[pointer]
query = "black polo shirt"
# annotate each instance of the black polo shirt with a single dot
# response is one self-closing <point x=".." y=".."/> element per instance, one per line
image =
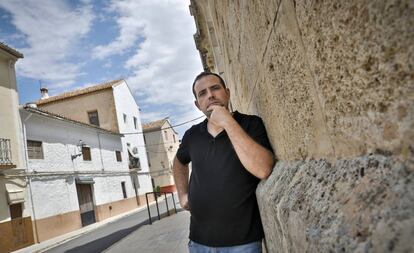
<point x="222" y="197"/>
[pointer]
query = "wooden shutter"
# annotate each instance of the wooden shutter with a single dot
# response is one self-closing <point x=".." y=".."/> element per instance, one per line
<point x="86" y="153"/>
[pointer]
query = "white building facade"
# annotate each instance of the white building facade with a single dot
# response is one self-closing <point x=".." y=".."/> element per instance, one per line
<point x="129" y="123"/>
<point x="162" y="143"/>
<point x="115" y="109"/>
<point x="78" y="173"/>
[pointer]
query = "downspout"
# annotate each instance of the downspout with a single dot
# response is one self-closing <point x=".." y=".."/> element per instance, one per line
<point x="100" y="151"/>
<point x="97" y="214"/>
<point x="29" y="178"/>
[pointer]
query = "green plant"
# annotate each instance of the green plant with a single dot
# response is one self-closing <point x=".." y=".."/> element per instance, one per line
<point x="157" y="190"/>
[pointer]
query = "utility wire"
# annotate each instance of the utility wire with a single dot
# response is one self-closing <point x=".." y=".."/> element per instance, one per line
<point x="151" y="131"/>
<point x="157" y="144"/>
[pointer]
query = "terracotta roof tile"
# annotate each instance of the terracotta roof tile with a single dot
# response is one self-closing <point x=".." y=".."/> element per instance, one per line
<point x="11" y="50"/>
<point x="79" y="92"/>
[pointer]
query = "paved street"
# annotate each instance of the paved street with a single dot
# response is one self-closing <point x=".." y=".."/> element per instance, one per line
<point x="106" y="236"/>
<point x="169" y="235"/>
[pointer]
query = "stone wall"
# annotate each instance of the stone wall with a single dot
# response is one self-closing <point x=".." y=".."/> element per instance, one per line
<point x="334" y="84"/>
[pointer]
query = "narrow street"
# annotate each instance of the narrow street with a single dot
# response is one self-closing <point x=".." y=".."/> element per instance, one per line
<point x="102" y="238"/>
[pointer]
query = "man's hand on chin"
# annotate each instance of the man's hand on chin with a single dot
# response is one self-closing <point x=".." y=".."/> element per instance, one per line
<point x="219" y="115"/>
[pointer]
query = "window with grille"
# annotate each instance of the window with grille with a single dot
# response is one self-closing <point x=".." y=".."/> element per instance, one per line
<point x="93" y="118"/>
<point x="86" y="153"/>
<point x="35" y="149"/>
<point x="118" y="156"/>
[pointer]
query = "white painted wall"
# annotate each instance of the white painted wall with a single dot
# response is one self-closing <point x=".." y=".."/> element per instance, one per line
<point x="53" y="195"/>
<point x="125" y="104"/>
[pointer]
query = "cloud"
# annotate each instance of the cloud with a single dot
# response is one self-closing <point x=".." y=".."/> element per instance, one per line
<point x="164" y="60"/>
<point x="52" y="30"/>
<point x="165" y="63"/>
<point x="130" y="29"/>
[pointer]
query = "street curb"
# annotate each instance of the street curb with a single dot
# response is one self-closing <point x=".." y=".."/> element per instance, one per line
<point x="56" y="241"/>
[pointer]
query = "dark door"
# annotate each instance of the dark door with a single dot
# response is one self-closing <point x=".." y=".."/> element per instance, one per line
<point x="86" y="207"/>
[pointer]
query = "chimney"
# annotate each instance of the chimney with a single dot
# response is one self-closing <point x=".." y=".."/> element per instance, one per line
<point x="44" y="93"/>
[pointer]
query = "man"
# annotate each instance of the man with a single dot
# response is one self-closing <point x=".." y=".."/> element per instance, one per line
<point x="230" y="153"/>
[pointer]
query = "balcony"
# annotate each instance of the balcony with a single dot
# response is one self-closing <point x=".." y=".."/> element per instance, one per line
<point x="6" y="154"/>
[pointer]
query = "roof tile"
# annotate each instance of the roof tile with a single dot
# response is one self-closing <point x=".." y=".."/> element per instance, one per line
<point x="79" y="92"/>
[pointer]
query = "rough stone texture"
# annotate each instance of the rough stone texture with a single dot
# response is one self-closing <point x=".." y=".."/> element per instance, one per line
<point x="334" y="84"/>
<point x="363" y="204"/>
<point x="361" y="54"/>
<point x="330" y="79"/>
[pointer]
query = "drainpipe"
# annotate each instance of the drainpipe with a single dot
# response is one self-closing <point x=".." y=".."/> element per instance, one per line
<point x="29" y="178"/>
<point x="100" y="151"/>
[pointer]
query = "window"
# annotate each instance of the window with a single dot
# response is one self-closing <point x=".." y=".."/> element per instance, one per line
<point x="16" y="211"/>
<point x="135" y="123"/>
<point x="34" y="149"/>
<point x="93" y="118"/>
<point x="123" y="189"/>
<point x="174" y="137"/>
<point x="86" y="153"/>
<point x="148" y="158"/>
<point x="118" y="156"/>
<point x="125" y="118"/>
<point x="153" y="183"/>
<point x="166" y="135"/>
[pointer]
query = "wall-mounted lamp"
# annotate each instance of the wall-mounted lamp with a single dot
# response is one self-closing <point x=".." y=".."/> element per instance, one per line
<point x="80" y="145"/>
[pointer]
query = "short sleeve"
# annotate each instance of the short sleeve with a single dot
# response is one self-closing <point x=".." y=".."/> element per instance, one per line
<point x="258" y="132"/>
<point x="183" y="152"/>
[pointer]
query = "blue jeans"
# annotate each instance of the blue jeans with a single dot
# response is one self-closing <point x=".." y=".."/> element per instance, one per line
<point x="254" y="247"/>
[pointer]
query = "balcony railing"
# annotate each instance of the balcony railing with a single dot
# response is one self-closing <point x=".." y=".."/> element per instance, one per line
<point x="5" y="152"/>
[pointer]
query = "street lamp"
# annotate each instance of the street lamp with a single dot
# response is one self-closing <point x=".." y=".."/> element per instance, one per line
<point x="80" y="145"/>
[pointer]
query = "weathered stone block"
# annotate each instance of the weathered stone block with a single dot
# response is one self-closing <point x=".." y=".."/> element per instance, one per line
<point x="364" y="204"/>
<point x="361" y="55"/>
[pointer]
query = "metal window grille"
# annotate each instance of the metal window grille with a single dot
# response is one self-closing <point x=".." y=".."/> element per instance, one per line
<point x="34" y="149"/>
<point x="5" y="151"/>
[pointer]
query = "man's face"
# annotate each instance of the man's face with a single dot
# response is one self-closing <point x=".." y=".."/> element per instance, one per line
<point x="209" y="91"/>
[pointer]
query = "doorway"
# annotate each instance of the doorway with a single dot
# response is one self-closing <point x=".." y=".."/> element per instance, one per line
<point x="86" y="207"/>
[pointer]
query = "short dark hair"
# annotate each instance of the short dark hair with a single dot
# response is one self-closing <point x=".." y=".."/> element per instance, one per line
<point x="206" y="73"/>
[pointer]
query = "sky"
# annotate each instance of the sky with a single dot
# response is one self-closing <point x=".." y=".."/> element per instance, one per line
<point x="70" y="44"/>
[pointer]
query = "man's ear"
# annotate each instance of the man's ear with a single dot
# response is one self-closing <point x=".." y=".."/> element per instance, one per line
<point x="197" y="105"/>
